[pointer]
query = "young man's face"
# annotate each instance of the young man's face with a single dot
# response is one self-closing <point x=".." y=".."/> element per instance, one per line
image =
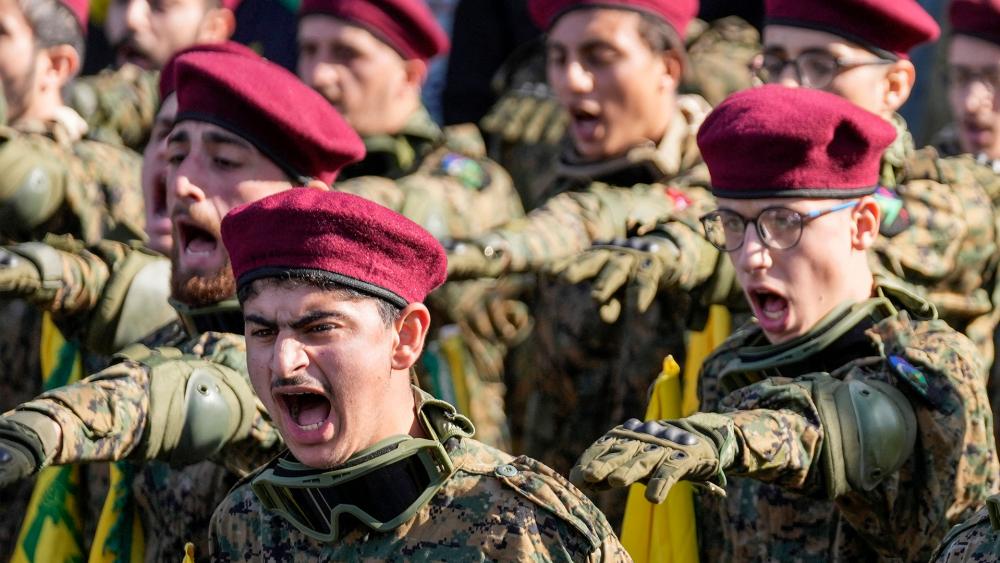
<point x="19" y="61"/>
<point x="862" y="85"/>
<point x="154" y="179"/>
<point x="974" y="68"/>
<point x="209" y="172"/>
<point x="617" y="90"/>
<point x="791" y="290"/>
<point x="320" y="362"/>
<point x="147" y="32"/>
<point x="358" y="73"/>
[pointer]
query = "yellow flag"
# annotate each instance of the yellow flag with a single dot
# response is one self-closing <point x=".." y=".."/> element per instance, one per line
<point x="665" y="533"/>
<point x="52" y="527"/>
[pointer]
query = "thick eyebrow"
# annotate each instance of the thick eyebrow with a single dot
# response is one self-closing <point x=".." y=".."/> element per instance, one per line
<point x="178" y="137"/>
<point x="298" y="323"/>
<point x="220" y="138"/>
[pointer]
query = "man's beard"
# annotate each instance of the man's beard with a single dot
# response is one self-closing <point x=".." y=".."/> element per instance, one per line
<point x="201" y="291"/>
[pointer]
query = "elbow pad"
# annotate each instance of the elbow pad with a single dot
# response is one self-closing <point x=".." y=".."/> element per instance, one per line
<point x="869" y="431"/>
<point x="196" y="407"/>
<point x="32" y="187"/>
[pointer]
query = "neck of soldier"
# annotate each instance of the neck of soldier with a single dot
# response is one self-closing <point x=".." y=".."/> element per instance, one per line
<point x="42" y="108"/>
<point x="395" y="116"/>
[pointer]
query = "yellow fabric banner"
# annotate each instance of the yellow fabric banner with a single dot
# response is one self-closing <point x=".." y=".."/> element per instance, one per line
<point x="665" y="533"/>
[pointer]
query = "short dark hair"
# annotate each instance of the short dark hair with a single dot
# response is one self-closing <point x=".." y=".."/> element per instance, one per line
<point x="389" y="312"/>
<point x="658" y="34"/>
<point x="53" y="24"/>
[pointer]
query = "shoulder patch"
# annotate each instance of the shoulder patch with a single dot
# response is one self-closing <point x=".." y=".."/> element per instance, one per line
<point x="895" y="217"/>
<point x="913" y="377"/>
<point x="468" y="171"/>
<point x="680" y="199"/>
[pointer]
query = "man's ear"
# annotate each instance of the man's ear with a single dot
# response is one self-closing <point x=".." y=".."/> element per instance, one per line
<point x="866" y="215"/>
<point x="411" y="330"/>
<point x="898" y="84"/>
<point x="673" y="64"/>
<point x="64" y="63"/>
<point x="416" y="72"/>
<point x="216" y="26"/>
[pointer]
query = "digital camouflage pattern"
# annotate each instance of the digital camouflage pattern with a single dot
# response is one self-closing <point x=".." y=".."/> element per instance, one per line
<point x="977" y="540"/>
<point x="526" y="129"/>
<point x="495" y="507"/>
<point x="578" y="375"/>
<point x="781" y="512"/>
<point x="115" y="415"/>
<point x="103" y="191"/>
<point x="442" y="180"/>
<point x="119" y="105"/>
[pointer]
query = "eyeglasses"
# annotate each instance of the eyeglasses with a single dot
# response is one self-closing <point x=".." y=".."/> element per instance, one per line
<point x="779" y="228"/>
<point x="813" y="69"/>
<point x="963" y="76"/>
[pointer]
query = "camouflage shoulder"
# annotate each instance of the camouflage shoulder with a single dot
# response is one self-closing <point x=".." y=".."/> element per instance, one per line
<point x="720" y="53"/>
<point x="234" y="522"/>
<point x="465" y="139"/>
<point x="543" y="488"/>
<point x="224" y="348"/>
<point x="379" y="189"/>
<point x="929" y="357"/>
<point x="973" y="540"/>
<point x="119" y="105"/>
<point x="928" y="163"/>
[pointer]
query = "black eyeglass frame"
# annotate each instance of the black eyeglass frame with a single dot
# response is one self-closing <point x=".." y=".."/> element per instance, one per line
<point x="804" y="219"/>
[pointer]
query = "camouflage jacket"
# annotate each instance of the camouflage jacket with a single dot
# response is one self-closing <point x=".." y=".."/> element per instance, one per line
<point x="611" y="199"/>
<point x="102" y="195"/>
<point x="526" y="128"/>
<point x="778" y="509"/>
<point x="939" y="234"/>
<point x="119" y="105"/>
<point x="134" y="409"/>
<point x="977" y="540"/>
<point x="494" y="507"/>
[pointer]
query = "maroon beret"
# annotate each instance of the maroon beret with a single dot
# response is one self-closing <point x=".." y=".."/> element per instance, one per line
<point x="354" y="241"/>
<point x="977" y="18"/>
<point x="80" y="10"/>
<point x="677" y="13"/>
<point x="231" y="5"/>
<point x="168" y="82"/>
<point x="408" y="26"/>
<point x="892" y="26"/>
<point x="286" y="120"/>
<point x="775" y="141"/>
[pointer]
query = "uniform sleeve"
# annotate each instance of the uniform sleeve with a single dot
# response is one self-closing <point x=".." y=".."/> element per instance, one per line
<point x="231" y="535"/>
<point x="119" y="106"/>
<point x="101" y="418"/>
<point x="571" y="222"/>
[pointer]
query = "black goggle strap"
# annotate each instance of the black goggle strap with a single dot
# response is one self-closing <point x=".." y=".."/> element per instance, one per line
<point x="382" y="487"/>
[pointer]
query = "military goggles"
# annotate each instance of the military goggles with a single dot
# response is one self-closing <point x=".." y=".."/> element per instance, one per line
<point x="382" y="487"/>
<point x="814" y="68"/>
<point x="778" y="228"/>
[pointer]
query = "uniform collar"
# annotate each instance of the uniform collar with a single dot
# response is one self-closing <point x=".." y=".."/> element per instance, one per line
<point x="894" y="158"/>
<point x="647" y="163"/>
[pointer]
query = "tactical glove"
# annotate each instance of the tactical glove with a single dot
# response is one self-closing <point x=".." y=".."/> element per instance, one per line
<point x="468" y="260"/>
<point x="19" y="277"/>
<point x="658" y="453"/>
<point x="21" y="452"/>
<point x="634" y="264"/>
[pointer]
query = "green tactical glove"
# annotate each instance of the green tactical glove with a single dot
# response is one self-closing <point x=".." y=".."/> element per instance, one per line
<point x="21" y="452"/>
<point x="658" y="453"/>
<point x="467" y="260"/>
<point x="633" y="264"/>
<point x="19" y="277"/>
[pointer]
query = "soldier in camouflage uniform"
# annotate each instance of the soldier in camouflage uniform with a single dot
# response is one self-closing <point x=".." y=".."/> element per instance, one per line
<point x="355" y="425"/>
<point x="372" y="72"/>
<point x="845" y="423"/>
<point x="149" y="384"/>
<point x="526" y="128"/>
<point x="939" y="230"/>
<point x="631" y="136"/>
<point x="120" y="104"/>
